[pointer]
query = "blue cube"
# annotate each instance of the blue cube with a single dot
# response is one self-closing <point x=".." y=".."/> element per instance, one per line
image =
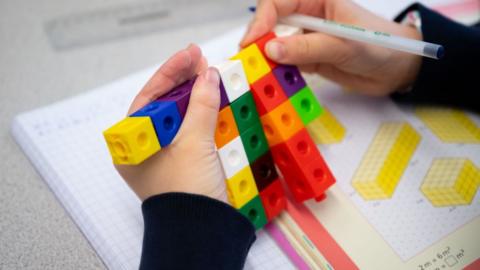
<point x="165" y="118"/>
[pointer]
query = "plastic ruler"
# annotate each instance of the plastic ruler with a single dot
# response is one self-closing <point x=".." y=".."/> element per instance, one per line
<point x="140" y="18"/>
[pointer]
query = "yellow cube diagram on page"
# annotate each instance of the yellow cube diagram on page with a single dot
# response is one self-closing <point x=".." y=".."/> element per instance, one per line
<point x="385" y="160"/>
<point x="326" y="128"/>
<point x="451" y="182"/>
<point x="449" y="125"/>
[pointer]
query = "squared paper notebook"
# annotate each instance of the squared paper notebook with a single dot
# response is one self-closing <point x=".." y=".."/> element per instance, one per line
<point x="65" y="144"/>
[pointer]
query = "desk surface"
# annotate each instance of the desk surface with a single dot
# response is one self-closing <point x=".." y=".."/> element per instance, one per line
<point x="35" y="231"/>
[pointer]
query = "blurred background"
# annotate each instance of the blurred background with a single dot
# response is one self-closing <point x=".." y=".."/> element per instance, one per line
<point x="54" y="49"/>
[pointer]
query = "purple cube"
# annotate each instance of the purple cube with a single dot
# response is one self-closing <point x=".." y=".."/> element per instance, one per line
<point x="180" y="95"/>
<point x="289" y="78"/>
<point x="223" y="97"/>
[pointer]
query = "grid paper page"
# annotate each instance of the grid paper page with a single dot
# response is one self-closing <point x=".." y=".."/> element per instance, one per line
<point x="64" y="142"/>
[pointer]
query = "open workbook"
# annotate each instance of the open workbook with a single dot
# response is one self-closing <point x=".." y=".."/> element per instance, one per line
<point x="409" y="227"/>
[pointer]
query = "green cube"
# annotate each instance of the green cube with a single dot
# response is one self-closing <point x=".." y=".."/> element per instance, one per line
<point x="245" y="112"/>
<point x="254" y="142"/>
<point x="254" y="211"/>
<point x="306" y="105"/>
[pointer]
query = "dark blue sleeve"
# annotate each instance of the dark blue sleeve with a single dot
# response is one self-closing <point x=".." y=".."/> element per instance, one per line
<point x="454" y="79"/>
<point x="186" y="231"/>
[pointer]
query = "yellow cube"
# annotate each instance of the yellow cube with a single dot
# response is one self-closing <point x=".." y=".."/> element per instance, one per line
<point x="132" y="140"/>
<point x="241" y="188"/>
<point x="254" y="64"/>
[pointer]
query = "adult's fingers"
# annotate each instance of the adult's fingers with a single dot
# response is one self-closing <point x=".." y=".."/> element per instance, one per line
<point x="308" y="49"/>
<point x="180" y="67"/>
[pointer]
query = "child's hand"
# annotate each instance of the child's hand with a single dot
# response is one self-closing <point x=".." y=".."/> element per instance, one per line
<point x="369" y="69"/>
<point x="190" y="164"/>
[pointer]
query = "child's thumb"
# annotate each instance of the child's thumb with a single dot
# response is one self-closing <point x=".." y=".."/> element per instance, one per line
<point x="201" y="117"/>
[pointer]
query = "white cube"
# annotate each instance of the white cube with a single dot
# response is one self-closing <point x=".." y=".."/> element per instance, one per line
<point x="233" y="157"/>
<point x="233" y="78"/>
<point x="283" y="30"/>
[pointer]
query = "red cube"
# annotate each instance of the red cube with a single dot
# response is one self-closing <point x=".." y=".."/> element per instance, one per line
<point x="273" y="199"/>
<point x="261" y="42"/>
<point x="303" y="167"/>
<point x="267" y="93"/>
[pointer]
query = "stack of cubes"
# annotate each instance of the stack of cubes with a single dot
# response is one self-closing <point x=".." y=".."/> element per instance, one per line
<point x="286" y="105"/>
<point x="146" y="131"/>
<point x="253" y="185"/>
<point x="263" y="113"/>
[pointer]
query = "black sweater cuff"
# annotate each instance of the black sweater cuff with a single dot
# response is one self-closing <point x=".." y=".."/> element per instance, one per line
<point x="186" y="231"/>
<point x="451" y="80"/>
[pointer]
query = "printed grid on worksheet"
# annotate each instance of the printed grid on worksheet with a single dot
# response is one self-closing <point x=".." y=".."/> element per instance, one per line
<point x="407" y="221"/>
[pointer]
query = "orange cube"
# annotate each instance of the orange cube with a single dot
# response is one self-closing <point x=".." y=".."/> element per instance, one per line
<point x="226" y="127"/>
<point x="281" y="123"/>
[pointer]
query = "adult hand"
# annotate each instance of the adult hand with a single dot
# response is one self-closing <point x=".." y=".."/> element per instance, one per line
<point x="366" y="68"/>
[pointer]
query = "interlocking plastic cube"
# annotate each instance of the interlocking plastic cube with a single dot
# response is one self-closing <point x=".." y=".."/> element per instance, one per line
<point x="451" y="182"/>
<point x="255" y="142"/>
<point x="273" y="199"/>
<point x="233" y="157"/>
<point x="302" y="166"/>
<point x="254" y="211"/>
<point x="254" y="63"/>
<point x="290" y="79"/>
<point x="264" y="171"/>
<point x="223" y="96"/>
<point x="226" y="129"/>
<point x="268" y="94"/>
<point x="131" y="140"/>
<point x="233" y="79"/>
<point x="306" y="105"/>
<point x="245" y="112"/>
<point x="261" y="42"/>
<point x="180" y="95"/>
<point x="241" y="188"/>
<point x="281" y="123"/>
<point x="165" y="118"/>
